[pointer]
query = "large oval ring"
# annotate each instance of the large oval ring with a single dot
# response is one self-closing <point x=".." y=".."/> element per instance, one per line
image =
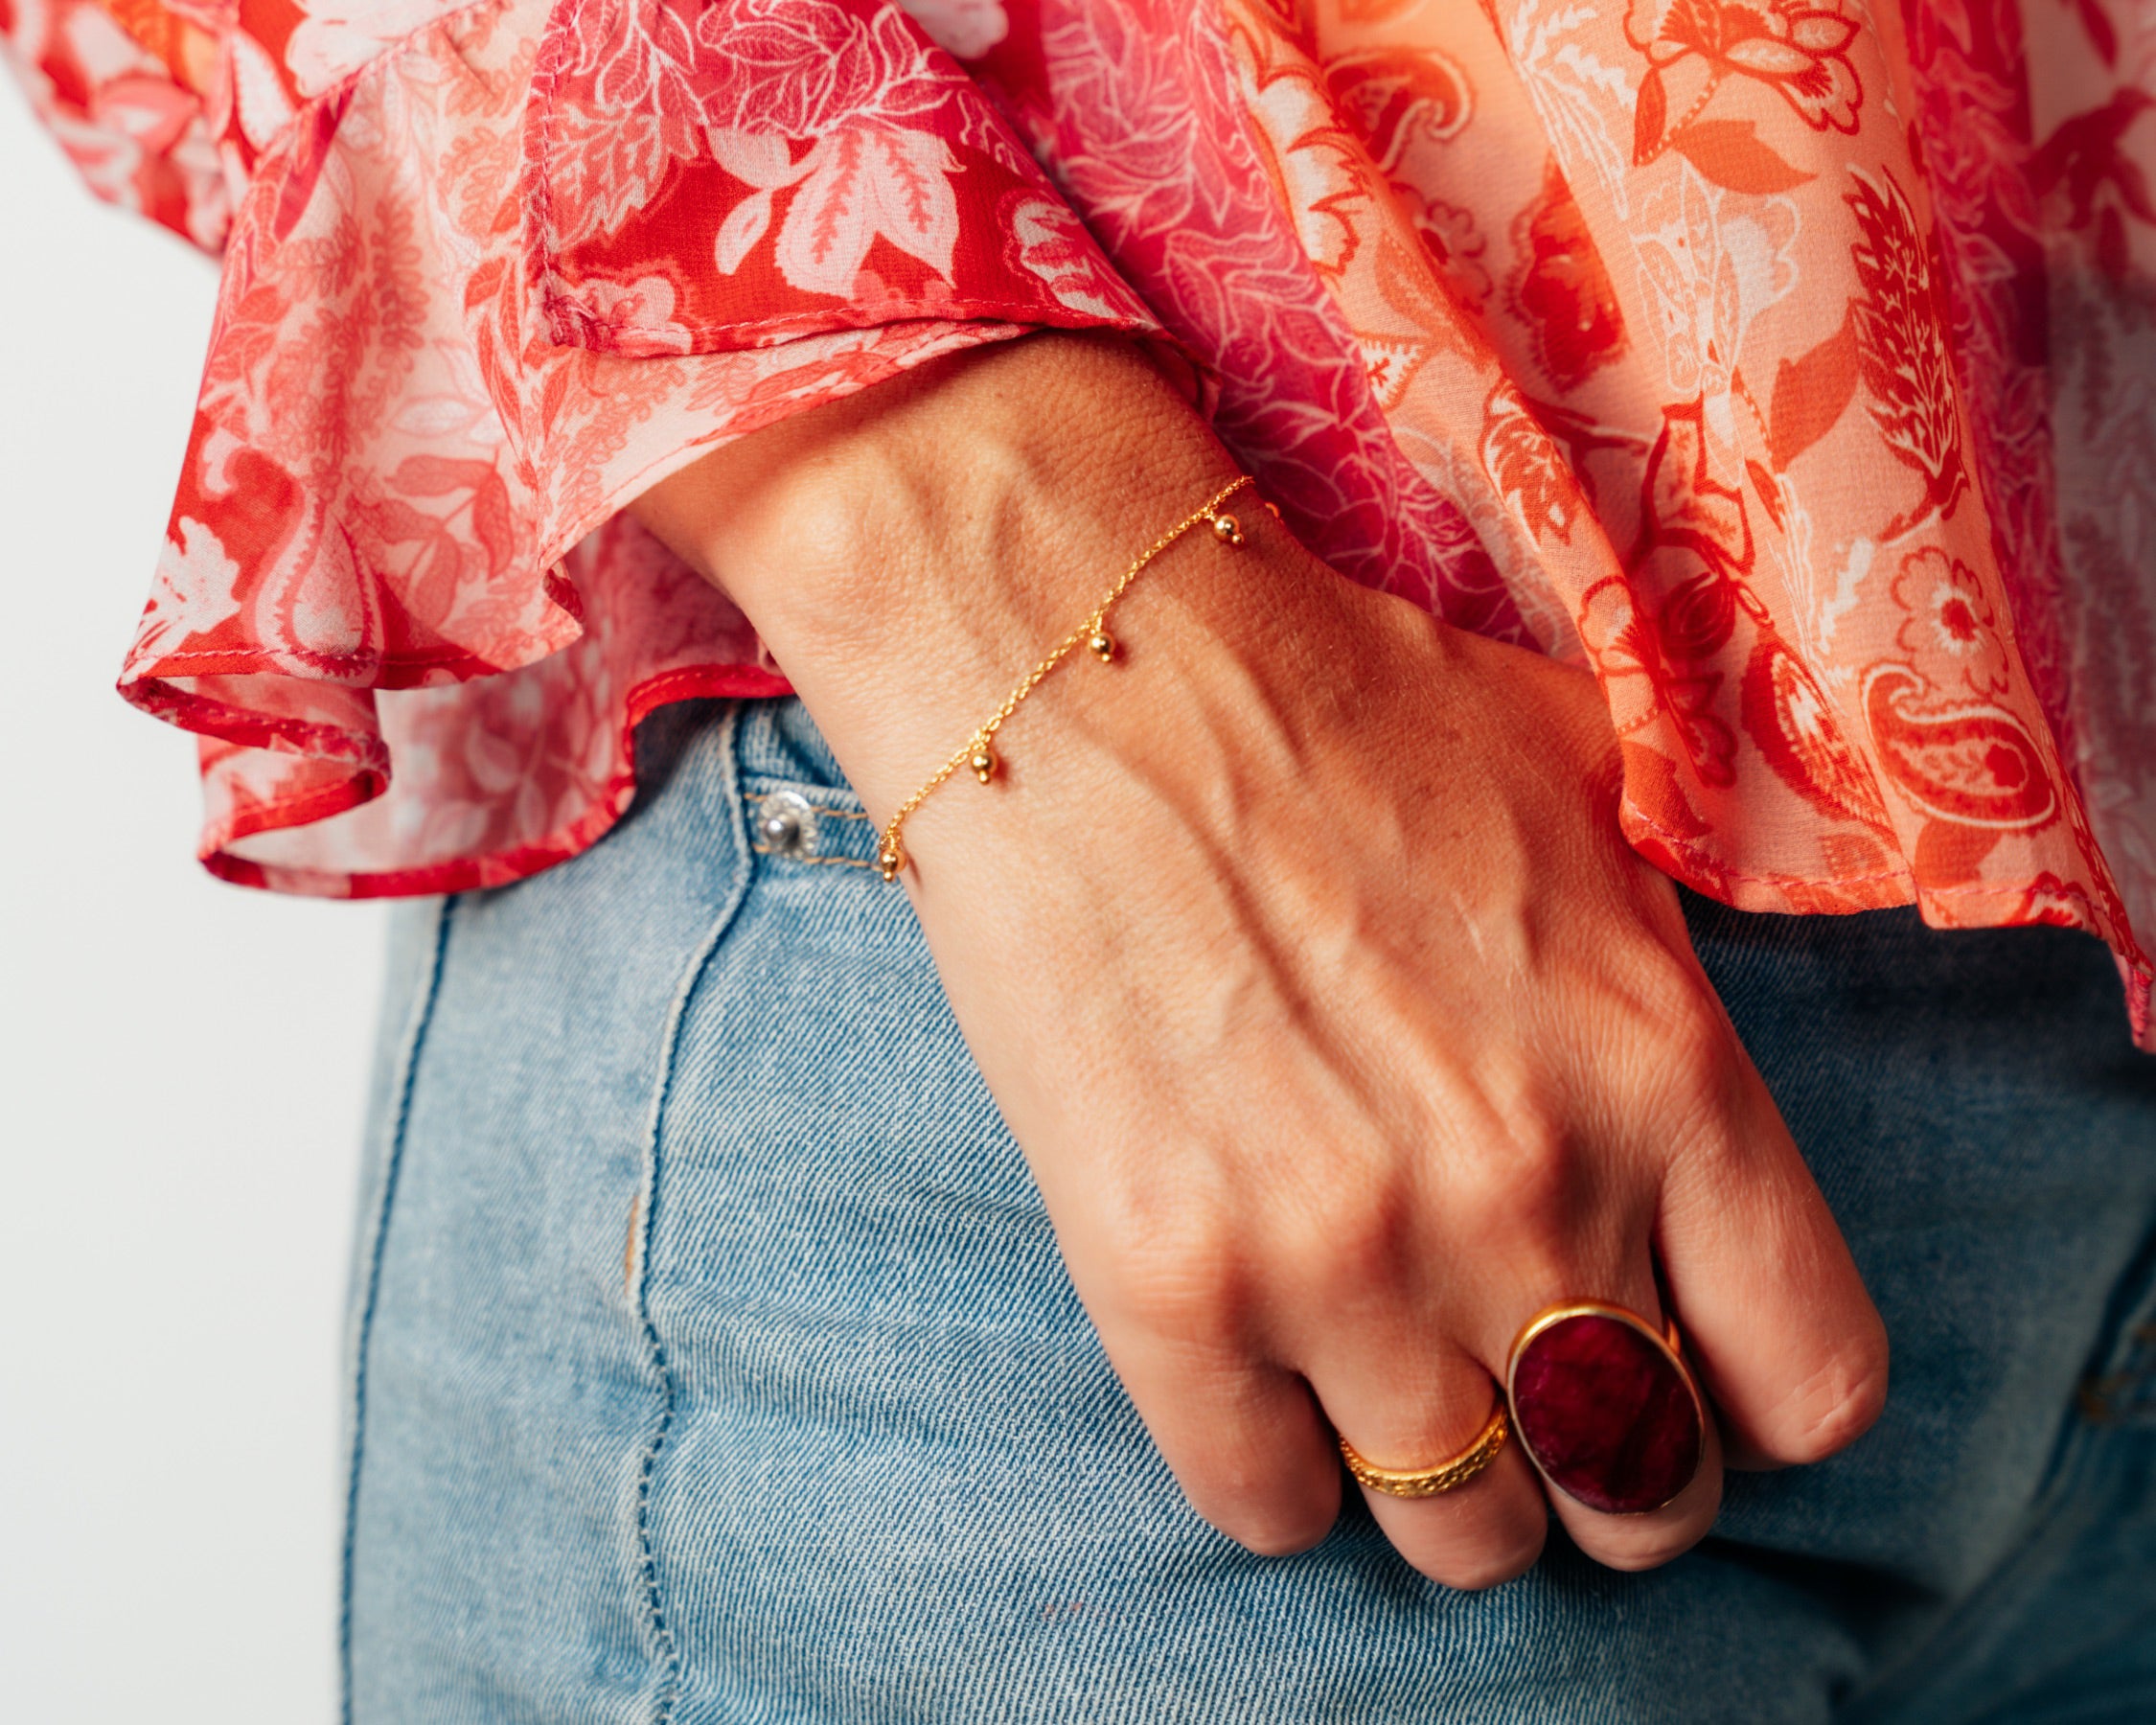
<point x="1449" y="1475"/>
<point x="1605" y="1406"/>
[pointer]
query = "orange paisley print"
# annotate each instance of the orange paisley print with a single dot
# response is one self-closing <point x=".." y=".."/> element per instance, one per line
<point x="1783" y="362"/>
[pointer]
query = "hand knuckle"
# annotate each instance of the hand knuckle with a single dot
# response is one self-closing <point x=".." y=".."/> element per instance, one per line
<point x="1277" y="1535"/>
<point x="1696" y="1060"/>
<point x="1187" y="1288"/>
<point x="1257" y="1513"/>
<point x="1540" y="1203"/>
<point x="1528" y="1189"/>
<point x="1650" y="1549"/>
<point x="1839" y="1403"/>
<point x="1338" y="1250"/>
<point x="1493" y="1563"/>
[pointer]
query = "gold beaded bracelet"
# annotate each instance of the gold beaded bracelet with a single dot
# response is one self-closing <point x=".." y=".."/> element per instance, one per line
<point x="979" y="751"/>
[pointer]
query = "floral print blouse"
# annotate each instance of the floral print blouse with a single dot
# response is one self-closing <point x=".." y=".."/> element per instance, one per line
<point x="1787" y="363"/>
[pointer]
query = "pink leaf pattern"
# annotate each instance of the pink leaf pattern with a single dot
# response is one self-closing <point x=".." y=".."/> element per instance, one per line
<point x="869" y="182"/>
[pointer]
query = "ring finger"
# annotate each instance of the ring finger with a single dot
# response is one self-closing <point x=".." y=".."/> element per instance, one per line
<point x="1417" y="1413"/>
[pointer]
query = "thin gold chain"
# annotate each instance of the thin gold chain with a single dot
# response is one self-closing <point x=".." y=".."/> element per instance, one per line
<point x="979" y="750"/>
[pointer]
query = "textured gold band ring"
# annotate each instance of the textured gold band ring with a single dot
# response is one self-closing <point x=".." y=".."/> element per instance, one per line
<point x="1447" y="1476"/>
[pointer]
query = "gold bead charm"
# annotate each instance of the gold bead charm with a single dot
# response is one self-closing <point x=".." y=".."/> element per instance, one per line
<point x="890" y="860"/>
<point x="982" y="760"/>
<point x="1101" y="645"/>
<point x="1228" y="530"/>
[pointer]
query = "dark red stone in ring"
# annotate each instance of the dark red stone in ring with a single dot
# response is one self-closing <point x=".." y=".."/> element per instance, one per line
<point x="1606" y="1413"/>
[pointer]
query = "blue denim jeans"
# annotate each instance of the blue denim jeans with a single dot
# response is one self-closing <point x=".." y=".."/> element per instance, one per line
<point x="714" y="1361"/>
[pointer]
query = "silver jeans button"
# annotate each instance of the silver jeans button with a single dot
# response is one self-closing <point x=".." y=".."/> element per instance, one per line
<point x="786" y="825"/>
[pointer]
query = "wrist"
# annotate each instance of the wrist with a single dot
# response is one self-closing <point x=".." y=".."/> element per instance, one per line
<point x="908" y="552"/>
<point x="984" y="482"/>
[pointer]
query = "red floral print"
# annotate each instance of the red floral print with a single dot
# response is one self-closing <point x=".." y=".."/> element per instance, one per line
<point x="1796" y="49"/>
<point x="1561" y="289"/>
<point x="1642" y="332"/>
<point x="1952" y="629"/>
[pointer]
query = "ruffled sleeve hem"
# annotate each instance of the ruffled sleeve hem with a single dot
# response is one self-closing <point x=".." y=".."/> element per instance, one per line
<point x="482" y="293"/>
<point x="122" y="101"/>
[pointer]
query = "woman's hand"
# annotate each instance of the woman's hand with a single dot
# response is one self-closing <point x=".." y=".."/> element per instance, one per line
<point x="1301" y="950"/>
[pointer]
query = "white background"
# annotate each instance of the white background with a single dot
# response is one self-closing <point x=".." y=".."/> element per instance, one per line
<point x="181" y="1063"/>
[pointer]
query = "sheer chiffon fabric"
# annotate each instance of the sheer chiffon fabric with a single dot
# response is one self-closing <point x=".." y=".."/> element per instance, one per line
<point x="1776" y="359"/>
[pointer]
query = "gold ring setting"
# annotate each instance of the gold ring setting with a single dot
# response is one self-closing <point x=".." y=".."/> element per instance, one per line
<point x="1606" y="1407"/>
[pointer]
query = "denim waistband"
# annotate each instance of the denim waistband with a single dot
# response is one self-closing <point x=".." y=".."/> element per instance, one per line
<point x="778" y="747"/>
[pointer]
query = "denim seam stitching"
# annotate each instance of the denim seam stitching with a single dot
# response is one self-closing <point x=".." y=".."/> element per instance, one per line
<point x="655" y="1606"/>
<point x="842" y="800"/>
<point x="763" y="850"/>
<point x="824" y="811"/>
<point x="407" y="1066"/>
<point x="2127" y="1359"/>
